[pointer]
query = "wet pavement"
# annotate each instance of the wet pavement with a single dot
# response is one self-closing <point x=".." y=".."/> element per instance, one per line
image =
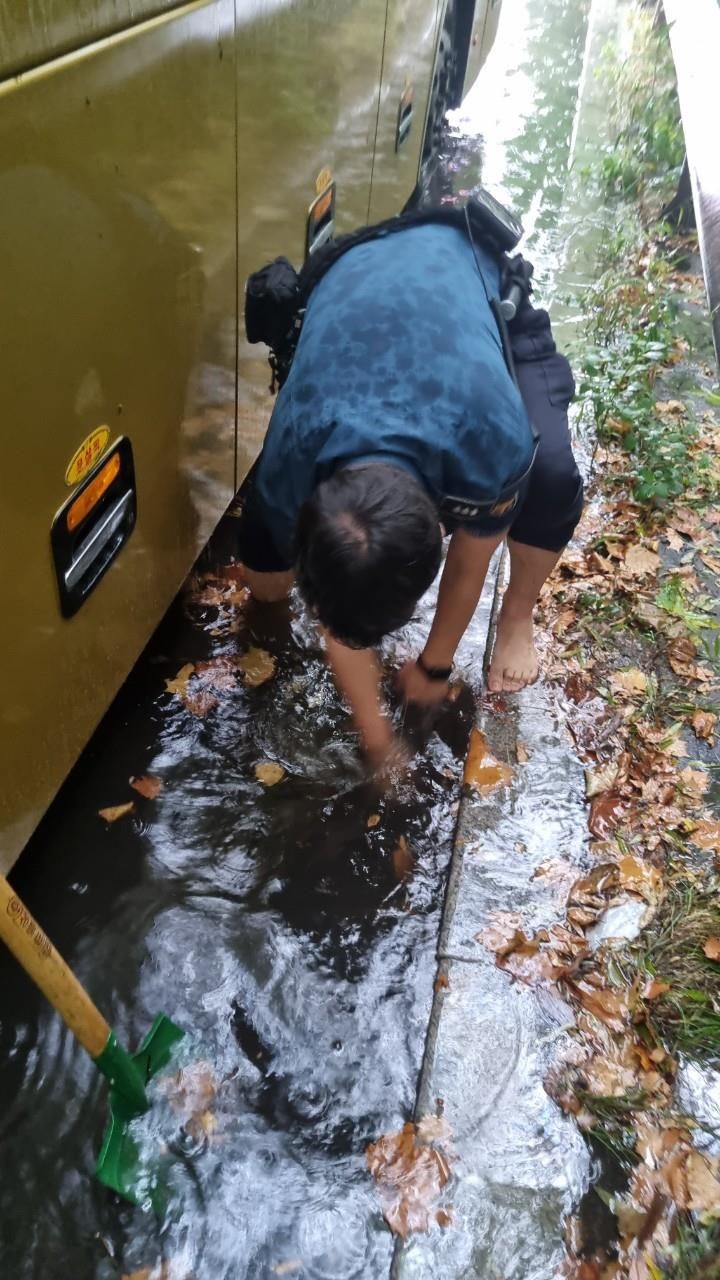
<point x="295" y="930"/>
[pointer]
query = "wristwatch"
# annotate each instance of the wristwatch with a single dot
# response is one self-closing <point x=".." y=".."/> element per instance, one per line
<point x="433" y="673"/>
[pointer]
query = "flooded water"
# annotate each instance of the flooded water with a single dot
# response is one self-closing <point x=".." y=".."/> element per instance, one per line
<point x="293" y="929"/>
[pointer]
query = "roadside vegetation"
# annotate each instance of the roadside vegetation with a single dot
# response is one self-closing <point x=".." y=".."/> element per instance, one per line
<point x="634" y="609"/>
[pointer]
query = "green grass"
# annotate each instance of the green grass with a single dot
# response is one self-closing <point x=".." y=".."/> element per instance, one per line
<point x="686" y="1019"/>
<point x="695" y="1252"/>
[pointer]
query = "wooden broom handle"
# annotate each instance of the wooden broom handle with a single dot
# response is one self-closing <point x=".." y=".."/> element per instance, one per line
<point x="41" y="962"/>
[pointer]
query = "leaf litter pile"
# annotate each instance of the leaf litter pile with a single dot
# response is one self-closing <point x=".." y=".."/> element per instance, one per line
<point x="631" y="617"/>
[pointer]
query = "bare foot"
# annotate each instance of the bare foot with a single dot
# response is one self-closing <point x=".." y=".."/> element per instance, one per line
<point x="514" y="663"/>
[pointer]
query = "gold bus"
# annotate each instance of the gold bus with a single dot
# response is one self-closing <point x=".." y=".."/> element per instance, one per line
<point x="152" y="154"/>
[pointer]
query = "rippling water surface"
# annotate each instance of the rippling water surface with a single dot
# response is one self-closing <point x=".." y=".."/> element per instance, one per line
<point x="278" y="925"/>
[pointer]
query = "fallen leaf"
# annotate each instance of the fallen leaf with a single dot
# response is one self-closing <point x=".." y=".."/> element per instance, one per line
<point x="219" y="673"/>
<point x="442" y="982"/>
<point x="606" y="812"/>
<point x="289" y="1268"/>
<point x="257" y="666"/>
<point x="703" y="1182"/>
<point x="703" y="723"/>
<point x="611" y="1007"/>
<point x="200" y="703"/>
<point x="482" y="771"/>
<point x="640" y="877"/>
<point x="694" y="781"/>
<point x="269" y="773"/>
<point x="179" y="684"/>
<point x="632" y="681"/>
<point x="522" y="753"/>
<point x="640" y="561"/>
<point x="711" y="947"/>
<point x="654" y="988"/>
<point x="117" y="811"/>
<point x="443" y="1218"/>
<point x="673" y="408"/>
<point x="410" y="1176"/>
<point x="402" y="859"/>
<point x="706" y="835"/>
<point x="191" y="1093"/>
<point x="202" y="1125"/>
<point x="599" y="780"/>
<point x="147" y="786"/>
<point x="682" y="655"/>
<point x="373" y="820"/>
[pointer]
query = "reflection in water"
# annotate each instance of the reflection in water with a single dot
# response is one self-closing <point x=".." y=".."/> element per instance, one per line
<point x="274" y="924"/>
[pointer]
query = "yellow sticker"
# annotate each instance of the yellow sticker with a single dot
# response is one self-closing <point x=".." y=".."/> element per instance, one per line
<point x="84" y="458"/>
<point x="323" y="180"/>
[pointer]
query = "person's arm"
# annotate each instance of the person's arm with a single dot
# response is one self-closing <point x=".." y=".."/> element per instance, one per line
<point x="357" y="673"/>
<point x="466" y="567"/>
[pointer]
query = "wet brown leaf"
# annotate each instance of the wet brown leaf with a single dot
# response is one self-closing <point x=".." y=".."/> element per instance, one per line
<point x="257" y="666"/>
<point x="179" y="684"/>
<point x="654" y="989"/>
<point x="640" y="877"/>
<point x="373" y="820"/>
<point x="482" y="771"/>
<point x="711" y="947"/>
<point x="410" y="1177"/>
<point x="200" y="703"/>
<point x="147" y="786"/>
<point x="703" y="1183"/>
<point x="161" y="1271"/>
<point x="117" y="811"/>
<point x="641" y="562"/>
<point x="682" y="656"/>
<point x="219" y="674"/>
<point x="606" y="812"/>
<point x="703" y="723"/>
<point x="191" y="1093"/>
<point x="442" y="982"/>
<point x="269" y="773"/>
<point x="611" y="1007"/>
<point x="403" y="860"/>
<point x="289" y="1268"/>
<point x="706" y="835"/>
<point x="523" y="755"/>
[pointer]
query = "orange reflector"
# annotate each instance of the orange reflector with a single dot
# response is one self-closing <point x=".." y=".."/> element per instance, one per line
<point x="89" y="498"/>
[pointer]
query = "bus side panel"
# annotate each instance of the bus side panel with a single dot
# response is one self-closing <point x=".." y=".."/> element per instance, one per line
<point x="482" y="39"/>
<point x="31" y="33"/>
<point x="408" y="64"/>
<point x="308" y="82"/>
<point x="117" y="221"/>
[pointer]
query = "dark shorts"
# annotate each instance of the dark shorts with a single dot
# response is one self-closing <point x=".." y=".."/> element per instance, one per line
<point x="551" y="504"/>
<point x="550" y="500"/>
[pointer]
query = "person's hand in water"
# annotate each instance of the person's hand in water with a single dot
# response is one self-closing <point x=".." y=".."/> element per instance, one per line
<point x="415" y="686"/>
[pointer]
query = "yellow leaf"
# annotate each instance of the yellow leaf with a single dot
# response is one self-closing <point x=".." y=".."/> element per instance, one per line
<point x="482" y="771"/>
<point x="270" y="773"/>
<point x="117" y="811"/>
<point x="257" y="666"/>
<point x="179" y="684"/>
<point x="373" y="820"/>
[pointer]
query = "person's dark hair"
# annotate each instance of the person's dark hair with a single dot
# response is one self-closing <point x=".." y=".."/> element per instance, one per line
<point x="369" y="545"/>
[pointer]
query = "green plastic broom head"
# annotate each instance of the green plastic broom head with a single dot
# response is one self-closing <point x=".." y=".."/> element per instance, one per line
<point x="119" y="1165"/>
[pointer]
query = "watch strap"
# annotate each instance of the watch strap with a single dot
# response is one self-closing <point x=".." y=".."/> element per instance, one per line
<point x="433" y="673"/>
